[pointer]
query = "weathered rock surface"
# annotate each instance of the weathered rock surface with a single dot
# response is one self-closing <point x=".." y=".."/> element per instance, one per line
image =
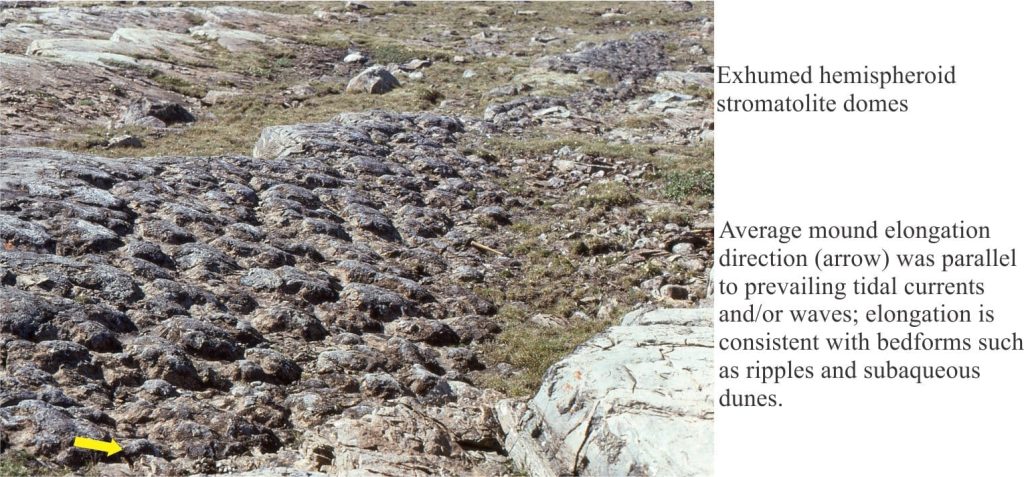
<point x="634" y="400"/>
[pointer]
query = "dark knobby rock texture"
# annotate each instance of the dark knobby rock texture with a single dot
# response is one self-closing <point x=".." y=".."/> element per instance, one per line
<point x="217" y="305"/>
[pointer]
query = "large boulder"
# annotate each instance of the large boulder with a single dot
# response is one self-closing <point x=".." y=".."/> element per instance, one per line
<point x="373" y="80"/>
<point x="144" y="112"/>
<point x="634" y="400"/>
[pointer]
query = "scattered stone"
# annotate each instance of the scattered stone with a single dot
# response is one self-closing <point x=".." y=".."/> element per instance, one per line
<point x="674" y="292"/>
<point x="509" y="90"/>
<point x="680" y="79"/>
<point x="416" y="64"/>
<point x="219" y="96"/>
<point x="355" y="57"/>
<point x="126" y="140"/>
<point x="544" y="39"/>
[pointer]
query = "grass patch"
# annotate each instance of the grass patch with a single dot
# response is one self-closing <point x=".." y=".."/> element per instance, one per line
<point x="669" y="215"/>
<point x="166" y="81"/>
<point x="642" y="121"/>
<point x="328" y="39"/>
<point x="606" y="195"/>
<point x="178" y="84"/>
<point x="240" y="120"/>
<point x="534" y="349"/>
<point x="386" y="54"/>
<point x="429" y="96"/>
<point x="558" y="278"/>
<point x="688" y="177"/>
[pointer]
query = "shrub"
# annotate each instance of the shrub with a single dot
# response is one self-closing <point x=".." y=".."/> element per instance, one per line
<point x="693" y="183"/>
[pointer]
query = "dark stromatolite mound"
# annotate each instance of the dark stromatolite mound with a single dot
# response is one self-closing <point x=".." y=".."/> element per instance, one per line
<point x="641" y="56"/>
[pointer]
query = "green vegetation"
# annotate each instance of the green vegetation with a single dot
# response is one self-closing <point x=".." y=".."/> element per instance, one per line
<point x="534" y="349"/>
<point x="16" y="464"/>
<point x="327" y="38"/>
<point x="386" y="53"/>
<point x="669" y="215"/>
<point x="643" y="121"/>
<point x="696" y="182"/>
<point x="177" y="84"/>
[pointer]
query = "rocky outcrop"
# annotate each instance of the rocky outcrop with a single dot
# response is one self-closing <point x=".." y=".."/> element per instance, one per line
<point x="634" y="400"/>
<point x="640" y="56"/>
<point x="213" y="309"/>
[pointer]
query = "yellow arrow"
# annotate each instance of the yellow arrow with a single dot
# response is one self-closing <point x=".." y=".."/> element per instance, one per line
<point x="110" y="448"/>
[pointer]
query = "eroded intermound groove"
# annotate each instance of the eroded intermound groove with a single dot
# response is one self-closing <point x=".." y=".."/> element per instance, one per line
<point x="304" y="300"/>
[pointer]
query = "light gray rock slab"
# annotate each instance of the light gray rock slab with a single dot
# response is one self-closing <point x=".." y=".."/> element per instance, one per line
<point x="677" y="79"/>
<point x="231" y="40"/>
<point x="634" y="400"/>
